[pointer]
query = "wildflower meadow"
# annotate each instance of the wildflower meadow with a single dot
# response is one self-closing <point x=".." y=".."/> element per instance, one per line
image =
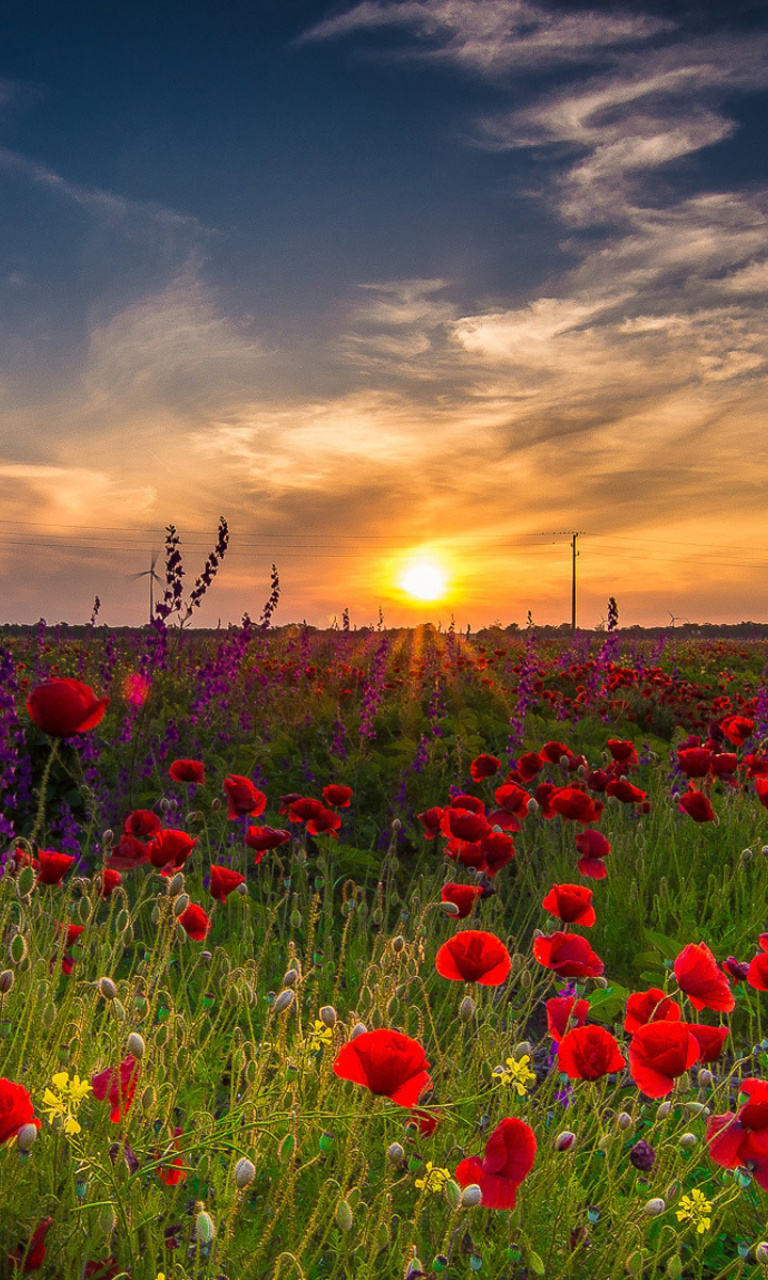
<point x="382" y="954"/>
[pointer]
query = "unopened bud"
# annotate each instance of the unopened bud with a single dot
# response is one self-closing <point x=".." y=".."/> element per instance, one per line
<point x="216" y="804"/>
<point x="176" y="884"/>
<point x="635" y="1264"/>
<point x="398" y="943"/>
<point x="761" y="1253"/>
<point x="136" y="1045"/>
<point x="7" y="979"/>
<point x="166" y="804"/>
<point x="107" y="1219"/>
<point x="328" y="1016"/>
<point x="359" y="1029"/>
<point x="705" y="1077"/>
<point x="624" y="1120"/>
<point x="290" y="977"/>
<point x="522" y="1050"/>
<point x="471" y="1196"/>
<point x="533" y="805"/>
<point x="204" y="1228"/>
<point x="344" y="1216"/>
<point x="108" y="838"/>
<point x="284" y="1001"/>
<point x="564" y="1140"/>
<point x="663" y="1110"/>
<point x="688" y="1140"/>
<point x="467" y="1009"/>
<point x="449" y="908"/>
<point x="26" y="1137"/>
<point x="674" y="1268"/>
<point x="654" y="1207"/>
<point x="602" y="983"/>
<point x="245" y="1172"/>
<point x="181" y="904"/>
<point x="242" y="890"/>
<point x="395" y="1153"/>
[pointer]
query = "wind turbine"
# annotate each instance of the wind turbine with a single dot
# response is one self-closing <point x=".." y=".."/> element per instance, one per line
<point x="673" y="618"/>
<point x="153" y="578"/>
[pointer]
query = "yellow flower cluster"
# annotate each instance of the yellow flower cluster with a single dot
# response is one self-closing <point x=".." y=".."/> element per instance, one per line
<point x="63" y="1103"/>
<point x="319" y="1036"/>
<point x="695" y="1208"/>
<point x="434" y="1179"/>
<point x="516" y="1073"/>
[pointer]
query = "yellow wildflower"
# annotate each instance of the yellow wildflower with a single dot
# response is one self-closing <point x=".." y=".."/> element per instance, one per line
<point x="695" y="1208"/>
<point x="320" y="1035"/>
<point x="516" y="1073"/>
<point x="63" y="1103"/>
<point x="434" y="1179"/>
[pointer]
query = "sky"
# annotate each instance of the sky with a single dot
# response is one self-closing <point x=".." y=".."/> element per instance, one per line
<point x="386" y="284"/>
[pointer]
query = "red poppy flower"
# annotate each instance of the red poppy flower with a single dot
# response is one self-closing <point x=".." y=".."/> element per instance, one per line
<point x="593" y="847"/>
<point x="63" y="708"/>
<point x="528" y="766"/>
<point x="554" y="752"/>
<point x="569" y="955"/>
<point x="498" y="849"/>
<point x="431" y="821"/>
<point x="129" y="852"/>
<point x="597" y="779"/>
<point x="738" y="970"/>
<point x="263" y="838"/>
<point x="427" y="1121"/>
<point x="474" y="956"/>
<point x="324" y="823"/>
<point x="761" y="789"/>
<point x="243" y="797"/>
<point x="742" y="1139"/>
<point x="16" y="1109"/>
<point x="564" y="1012"/>
<point x="223" y="881"/>
<point x="724" y="764"/>
<point x="587" y="1053"/>
<point x="695" y="761"/>
<point x="73" y="932"/>
<point x="53" y="866"/>
<point x="757" y="973"/>
<point x="484" y="767"/>
<point x="509" y="1155"/>
<point x="571" y="903"/>
<point x="170" y="848"/>
<point x="711" y="1040"/>
<point x="623" y="752"/>
<point x="29" y="1257"/>
<point x="702" y="981"/>
<point x="649" y="1006"/>
<point x="464" y="801"/>
<point x="756" y="766"/>
<point x="512" y="799"/>
<point x="187" y="771"/>
<point x="737" y="729"/>
<point x="337" y="796"/>
<point x="624" y="791"/>
<point x="388" y="1063"/>
<point x="142" y="823"/>
<point x="304" y="808"/>
<point x="464" y="896"/>
<point x="543" y="797"/>
<point x="576" y="805"/>
<point x="697" y="806"/>
<point x="110" y="879"/>
<point x="174" y="1173"/>
<point x="195" y="922"/>
<point x="659" y="1052"/>
<point x="464" y="825"/>
<point x="117" y="1085"/>
<point x="287" y="801"/>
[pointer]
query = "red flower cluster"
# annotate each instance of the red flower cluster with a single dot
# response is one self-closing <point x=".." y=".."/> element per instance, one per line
<point x="509" y="1155"/>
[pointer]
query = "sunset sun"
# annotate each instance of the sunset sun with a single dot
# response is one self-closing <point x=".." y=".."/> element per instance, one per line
<point x="423" y="579"/>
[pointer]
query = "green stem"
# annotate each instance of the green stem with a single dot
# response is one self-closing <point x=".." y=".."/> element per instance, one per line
<point x="40" y="815"/>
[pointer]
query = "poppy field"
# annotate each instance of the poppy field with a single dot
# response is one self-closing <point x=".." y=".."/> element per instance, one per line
<point x="382" y="953"/>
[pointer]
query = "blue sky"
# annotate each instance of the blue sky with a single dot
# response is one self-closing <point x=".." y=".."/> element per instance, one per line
<point x="379" y="280"/>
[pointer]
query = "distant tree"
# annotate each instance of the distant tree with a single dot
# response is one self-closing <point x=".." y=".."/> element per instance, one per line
<point x="613" y="614"/>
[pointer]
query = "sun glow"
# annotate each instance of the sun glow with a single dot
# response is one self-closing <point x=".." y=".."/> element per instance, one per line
<point x="423" y="579"/>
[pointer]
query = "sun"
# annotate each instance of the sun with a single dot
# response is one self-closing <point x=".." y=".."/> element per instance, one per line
<point x="423" y="579"/>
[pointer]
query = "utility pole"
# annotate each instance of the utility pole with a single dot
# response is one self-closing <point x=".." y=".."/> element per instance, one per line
<point x="573" y="535"/>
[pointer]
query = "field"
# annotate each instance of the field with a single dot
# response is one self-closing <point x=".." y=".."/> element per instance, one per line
<point x="279" y="996"/>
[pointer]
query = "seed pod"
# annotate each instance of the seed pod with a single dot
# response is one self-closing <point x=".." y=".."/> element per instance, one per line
<point x="654" y="1207"/>
<point x="467" y="1009"/>
<point x="344" y="1216"/>
<point x="26" y="1136"/>
<point x="471" y="1196"/>
<point x="245" y="1172"/>
<point x="204" y="1228"/>
<point x="136" y="1045"/>
<point x="284" y="1001"/>
<point x="328" y="1016"/>
<point x="106" y="988"/>
<point x="7" y="979"/>
<point x="395" y="1153"/>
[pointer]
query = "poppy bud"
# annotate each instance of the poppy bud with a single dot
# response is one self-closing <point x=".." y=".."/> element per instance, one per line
<point x="602" y="983"/>
<point x="533" y="805"/>
<point x="624" y="1120"/>
<point x="148" y="1099"/>
<point x="761" y="1253"/>
<point x="216" y="804"/>
<point x="7" y="979"/>
<point x="359" y="1029"/>
<point x="181" y="904"/>
<point x="634" y="1263"/>
<point x="764" y="850"/>
<point x="136" y="1045"/>
<point x="344" y="1216"/>
<point x="663" y="1110"/>
<point x="245" y="1172"/>
<point x="705" y="1077"/>
<point x="107" y="1219"/>
<point x="564" y="1140"/>
<point x="448" y="908"/>
<point x="242" y="889"/>
<point x="328" y="1016"/>
<point x="522" y="1050"/>
<point x="204" y="1228"/>
<point x="684" y="1082"/>
<point x="467" y="1009"/>
<point x="176" y="884"/>
<point x="398" y="943"/>
<point x="108" y="838"/>
<point x="674" y="1269"/>
<point x="525" y="978"/>
<point x="688" y="1140"/>
<point x="564" y="762"/>
<point x="26" y="1137"/>
<point x="696" y="1109"/>
<point x="642" y="1156"/>
<point x="395" y="1153"/>
<point x="283" y="1001"/>
<point x="654" y="1207"/>
<point x="290" y="977"/>
<point x="295" y="919"/>
<point x="471" y="1196"/>
<point x="452" y="1193"/>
